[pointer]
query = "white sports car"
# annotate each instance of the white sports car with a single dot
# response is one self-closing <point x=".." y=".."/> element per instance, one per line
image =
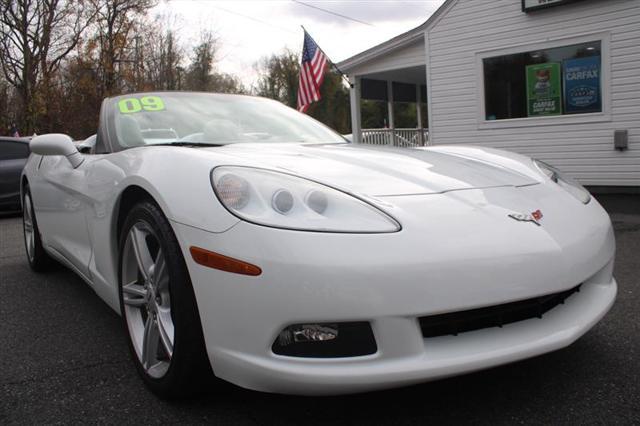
<point x="237" y="236"/>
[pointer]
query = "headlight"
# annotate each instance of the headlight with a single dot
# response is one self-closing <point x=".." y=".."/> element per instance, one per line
<point x="569" y="184"/>
<point x="284" y="201"/>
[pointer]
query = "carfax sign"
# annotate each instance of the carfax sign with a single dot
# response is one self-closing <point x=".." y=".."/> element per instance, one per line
<point x="544" y="96"/>
<point x="582" y="85"/>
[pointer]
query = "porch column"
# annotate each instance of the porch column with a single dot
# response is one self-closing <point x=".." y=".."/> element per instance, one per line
<point x="421" y="136"/>
<point x="356" y="118"/>
<point x="419" y="111"/>
<point x="390" y="103"/>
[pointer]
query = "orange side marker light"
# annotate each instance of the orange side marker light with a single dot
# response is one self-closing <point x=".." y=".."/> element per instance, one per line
<point x="222" y="262"/>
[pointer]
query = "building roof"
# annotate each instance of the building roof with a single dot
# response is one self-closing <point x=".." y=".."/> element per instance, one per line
<point x="394" y="43"/>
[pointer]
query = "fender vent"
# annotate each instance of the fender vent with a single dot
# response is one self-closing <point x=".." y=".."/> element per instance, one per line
<point x="492" y="316"/>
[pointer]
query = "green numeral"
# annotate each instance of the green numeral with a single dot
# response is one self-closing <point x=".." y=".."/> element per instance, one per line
<point x="129" y="105"/>
<point x="152" y="103"/>
<point x="147" y="103"/>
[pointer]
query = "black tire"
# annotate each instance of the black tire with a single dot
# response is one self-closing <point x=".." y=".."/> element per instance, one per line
<point x="189" y="370"/>
<point x="39" y="260"/>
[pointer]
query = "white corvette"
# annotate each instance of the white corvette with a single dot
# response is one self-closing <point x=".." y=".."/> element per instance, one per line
<point x="239" y="237"/>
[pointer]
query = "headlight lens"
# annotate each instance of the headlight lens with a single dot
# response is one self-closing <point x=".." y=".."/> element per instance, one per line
<point x="284" y="201"/>
<point x="568" y="183"/>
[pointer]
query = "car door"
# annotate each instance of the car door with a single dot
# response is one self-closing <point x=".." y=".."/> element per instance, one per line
<point x="60" y="197"/>
<point x="13" y="157"/>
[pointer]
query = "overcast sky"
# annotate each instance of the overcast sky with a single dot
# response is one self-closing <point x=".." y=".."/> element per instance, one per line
<point x="248" y="30"/>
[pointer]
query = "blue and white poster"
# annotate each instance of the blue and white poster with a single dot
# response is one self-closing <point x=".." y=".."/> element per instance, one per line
<point x="582" y="85"/>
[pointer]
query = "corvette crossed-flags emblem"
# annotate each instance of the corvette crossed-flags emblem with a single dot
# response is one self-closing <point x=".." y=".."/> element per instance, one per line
<point x="534" y="217"/>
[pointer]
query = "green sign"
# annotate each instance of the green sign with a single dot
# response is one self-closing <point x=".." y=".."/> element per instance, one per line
<point x="544" y="94"/>
<point x="146" y="103"/>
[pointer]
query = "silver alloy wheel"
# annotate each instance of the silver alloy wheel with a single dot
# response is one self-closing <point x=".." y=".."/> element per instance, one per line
<point x="147" y="303"/>
<point x="29" y="232"/>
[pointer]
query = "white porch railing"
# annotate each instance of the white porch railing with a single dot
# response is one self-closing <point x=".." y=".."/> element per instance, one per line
<point x="406" y="138"/>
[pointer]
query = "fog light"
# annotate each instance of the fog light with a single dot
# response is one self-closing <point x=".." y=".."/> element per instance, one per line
<point x="327" y="340"/>
<point x="307" y="333"/>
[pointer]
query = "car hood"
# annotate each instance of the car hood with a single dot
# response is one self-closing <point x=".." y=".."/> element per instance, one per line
<point x="378" y="171"/>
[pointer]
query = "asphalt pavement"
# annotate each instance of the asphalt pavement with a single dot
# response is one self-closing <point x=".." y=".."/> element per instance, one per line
<point x="64" y="359"/>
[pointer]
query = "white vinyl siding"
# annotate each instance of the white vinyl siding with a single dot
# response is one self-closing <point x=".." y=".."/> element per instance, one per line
<point x="404" y="57"/>
<point x="582" y="146"/>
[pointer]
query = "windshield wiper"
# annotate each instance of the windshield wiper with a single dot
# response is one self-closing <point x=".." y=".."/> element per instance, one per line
<point x="185" y="143"/>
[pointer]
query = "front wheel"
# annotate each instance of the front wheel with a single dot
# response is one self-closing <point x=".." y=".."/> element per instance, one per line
<point x="159" y="307"/>
<point x="37" y="257"/>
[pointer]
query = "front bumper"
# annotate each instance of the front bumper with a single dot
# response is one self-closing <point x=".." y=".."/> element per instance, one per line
<point x="432" y="359"/>
<point x="391" y="280"/>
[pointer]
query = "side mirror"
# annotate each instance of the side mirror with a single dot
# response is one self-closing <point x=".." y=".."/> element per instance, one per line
<point x="56" y="144"/>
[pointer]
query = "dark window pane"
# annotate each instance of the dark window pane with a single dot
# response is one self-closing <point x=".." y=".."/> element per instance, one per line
<point x="12" y="150"/>
<point x="374" y="114"/>
<point x="405" y="115"/>
<point x="404" y="92"/>
<point x="504" y="85"/>
<point x="563" y="80"/>
<point x="375" y="90"/>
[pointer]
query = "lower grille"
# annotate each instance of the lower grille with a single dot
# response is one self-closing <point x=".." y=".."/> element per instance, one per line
<point x="492" y="316"/>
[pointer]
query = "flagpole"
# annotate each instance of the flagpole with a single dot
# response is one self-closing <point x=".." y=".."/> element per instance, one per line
<point x="344" y="76"/>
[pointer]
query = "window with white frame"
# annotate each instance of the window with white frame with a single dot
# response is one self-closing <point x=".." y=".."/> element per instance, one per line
<point x="564" y="80"/>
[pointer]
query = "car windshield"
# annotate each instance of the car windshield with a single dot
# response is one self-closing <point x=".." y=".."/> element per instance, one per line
<point x="211" y="119"/>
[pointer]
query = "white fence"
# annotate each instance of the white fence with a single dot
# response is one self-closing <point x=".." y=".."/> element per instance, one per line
<point x="406" y="138"/>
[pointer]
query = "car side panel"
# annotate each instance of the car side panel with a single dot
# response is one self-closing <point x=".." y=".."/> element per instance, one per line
<point x="176" y="178"/>
<point x="60" y="196"/>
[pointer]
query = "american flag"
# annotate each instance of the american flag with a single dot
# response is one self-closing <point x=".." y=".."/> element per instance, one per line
<point x="312" y="69"/>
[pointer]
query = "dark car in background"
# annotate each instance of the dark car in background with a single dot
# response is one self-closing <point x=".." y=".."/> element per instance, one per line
<point x="13" y="156"/>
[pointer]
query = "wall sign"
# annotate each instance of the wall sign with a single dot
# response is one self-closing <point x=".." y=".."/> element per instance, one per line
<point x="544" y="96"/>
<point x="530" y="5"/>
<point x="582" y="85"/>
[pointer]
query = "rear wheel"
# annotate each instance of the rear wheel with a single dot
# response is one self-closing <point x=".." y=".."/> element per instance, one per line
<point x="38" y="258"/>
<point x="159" y="307"/>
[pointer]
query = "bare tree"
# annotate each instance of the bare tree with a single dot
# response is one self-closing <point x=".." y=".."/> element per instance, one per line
<point x="202" y="75"/>
<point x="164" y="57"/>
<point x="116" y="21"/>
<point x="6" y="112"/>
<point x="227" y="83"/>
<point x="35" y="36"/>
<point x="201" y="68"/>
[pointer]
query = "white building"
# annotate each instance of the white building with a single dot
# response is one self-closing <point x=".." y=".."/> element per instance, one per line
<point x="558" y="80"/>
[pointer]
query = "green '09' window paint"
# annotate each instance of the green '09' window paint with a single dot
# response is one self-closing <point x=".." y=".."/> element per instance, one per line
<point x="146" y="103"/>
